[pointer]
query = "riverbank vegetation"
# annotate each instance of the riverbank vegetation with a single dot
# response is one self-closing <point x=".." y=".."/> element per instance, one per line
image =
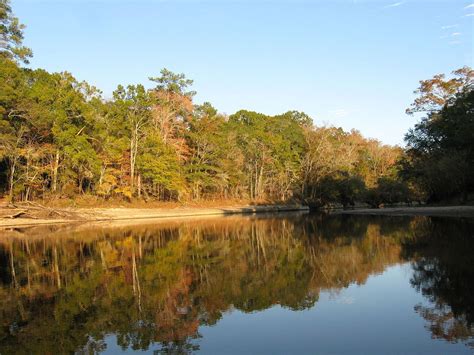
<point x="61" y="139"/>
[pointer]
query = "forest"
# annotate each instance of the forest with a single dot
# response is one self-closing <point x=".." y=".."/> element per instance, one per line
<point x="61" y="139"/>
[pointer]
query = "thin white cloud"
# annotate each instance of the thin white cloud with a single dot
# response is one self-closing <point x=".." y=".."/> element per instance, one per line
<point x="339" y="113"/>
<point x="449" y="26"/>
<point x="394" y="4"/>
<point x="454" y="34"/>
<point x="468" y="15"/>
<point x="469" y="7"/>
<point x="455" y="42"/>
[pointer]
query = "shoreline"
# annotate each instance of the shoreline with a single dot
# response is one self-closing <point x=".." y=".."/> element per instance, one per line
<point x="87" y="215"/>
<point x="428" y="211"/>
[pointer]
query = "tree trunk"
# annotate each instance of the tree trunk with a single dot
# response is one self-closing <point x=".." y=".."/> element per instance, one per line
<point x="102" y="173"/>
<point x="54" y="183"/>
<point x="139" y="185"/>
<point x="132" y="161"/>
<point x="11" y="179"/>
<point x="260" y="181"/>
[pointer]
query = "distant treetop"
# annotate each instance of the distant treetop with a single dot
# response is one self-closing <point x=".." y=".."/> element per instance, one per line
<point x="175" y="83"/>
<point x="434" y="93"/>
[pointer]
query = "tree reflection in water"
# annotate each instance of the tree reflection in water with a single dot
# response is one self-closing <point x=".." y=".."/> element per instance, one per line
<point x="158" y="284"/>
<point x="444" y="274"/>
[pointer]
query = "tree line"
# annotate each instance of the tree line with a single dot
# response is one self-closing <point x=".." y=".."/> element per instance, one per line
<point x="59" y="137"/>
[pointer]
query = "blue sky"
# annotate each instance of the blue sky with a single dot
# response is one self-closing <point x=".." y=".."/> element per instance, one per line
<point x="349" y="63"/>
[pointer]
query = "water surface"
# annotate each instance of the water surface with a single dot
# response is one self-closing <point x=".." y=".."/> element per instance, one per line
<point x="278" y="284"/>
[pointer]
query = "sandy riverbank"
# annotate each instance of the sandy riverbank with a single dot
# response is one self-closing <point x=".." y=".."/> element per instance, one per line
<point x="69" y="215"/>
<point x="87" y="215"/>
<point x="434" y="211"/>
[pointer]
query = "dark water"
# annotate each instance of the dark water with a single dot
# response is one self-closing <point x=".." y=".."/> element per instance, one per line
<point x="286" y="284"/>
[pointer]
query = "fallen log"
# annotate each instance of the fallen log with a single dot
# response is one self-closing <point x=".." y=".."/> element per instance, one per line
<point x="15" y="214"/>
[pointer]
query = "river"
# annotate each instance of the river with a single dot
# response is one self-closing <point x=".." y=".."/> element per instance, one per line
<point x="289" y="283"/>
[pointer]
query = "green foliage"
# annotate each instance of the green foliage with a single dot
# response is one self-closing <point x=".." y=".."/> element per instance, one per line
<point x="440" y="155"/>
<point x="272" y="147"/>
<point x="171" y="82"/>
<point x="11" y="35"/>
<point x="159" y="163"/>
<point x="388" y="191"/>
<point x="351" y="190"/>
<point x="59" y="136"/>
<point x="343" y="167"/>
<point x="209" y="147"/>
